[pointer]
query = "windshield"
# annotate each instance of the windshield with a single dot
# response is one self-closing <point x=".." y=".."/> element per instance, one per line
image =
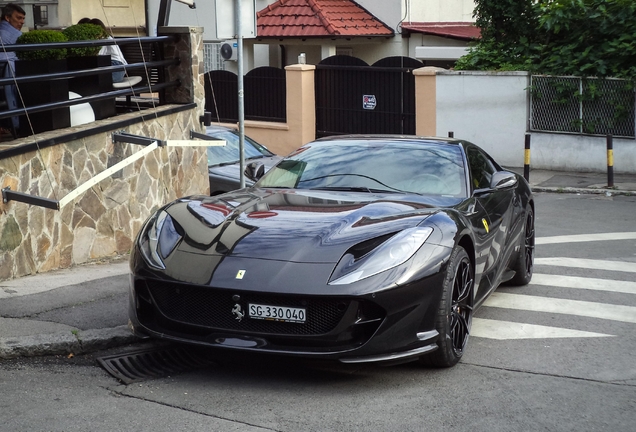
<point x="370" y="166"/>
<point x="229" y="153"/>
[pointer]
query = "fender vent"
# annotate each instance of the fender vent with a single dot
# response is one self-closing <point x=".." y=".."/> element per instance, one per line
<point x="152" y="363"/>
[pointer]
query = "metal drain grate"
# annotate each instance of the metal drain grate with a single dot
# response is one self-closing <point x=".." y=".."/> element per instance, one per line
<point x="150" y="363"/>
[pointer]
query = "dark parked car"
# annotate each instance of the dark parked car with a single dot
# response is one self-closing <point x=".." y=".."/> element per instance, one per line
<point x="356" y="248"/>
<point x="224" y="161"/>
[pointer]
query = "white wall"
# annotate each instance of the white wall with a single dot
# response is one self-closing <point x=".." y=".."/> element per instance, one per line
<point x="261" y="55"/>
<point x="486" y="108"/>
<point x="372" y="52"/>
<point x="390" y="12"/>
<point x="440" y="10"/>
<point x="122" y="14"/>
<point x="580" y="153"/>
<point x="490" y="109"/>
<point x="422" y="40"/>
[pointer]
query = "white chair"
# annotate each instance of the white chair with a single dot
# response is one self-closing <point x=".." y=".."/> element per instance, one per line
<point x="80" y="113"/>
<point x="128" y="81"/>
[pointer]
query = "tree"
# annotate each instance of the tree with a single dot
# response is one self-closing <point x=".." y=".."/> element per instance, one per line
<point x="589" y="38"/>
<point x="505" y="20"/>
<point x="561" y="37"/>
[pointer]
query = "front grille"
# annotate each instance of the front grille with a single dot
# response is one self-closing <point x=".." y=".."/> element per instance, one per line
<point x="212" y="308"/>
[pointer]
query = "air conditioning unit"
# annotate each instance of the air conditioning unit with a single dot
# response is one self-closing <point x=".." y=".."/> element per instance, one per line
<point x="229" y="50"/>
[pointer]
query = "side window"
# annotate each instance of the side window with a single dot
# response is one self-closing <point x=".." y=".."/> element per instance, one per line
<point x="481" y="169"/>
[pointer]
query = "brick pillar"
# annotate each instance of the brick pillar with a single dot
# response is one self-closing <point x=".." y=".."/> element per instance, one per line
<point x="300" y="127"/>
<point x="301" y="104"/>
<point x="426" y="101"/>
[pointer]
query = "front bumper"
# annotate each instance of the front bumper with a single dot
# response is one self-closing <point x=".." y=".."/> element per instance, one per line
<point x="389" y="325"/>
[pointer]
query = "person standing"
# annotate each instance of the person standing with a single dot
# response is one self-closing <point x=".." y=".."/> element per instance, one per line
<point x="116" y="56"/>
<point x="10" y="30"/>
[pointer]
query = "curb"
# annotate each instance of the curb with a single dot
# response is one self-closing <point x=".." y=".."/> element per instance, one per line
<point x="64" y="343"/>
<point x="570" y="190"/>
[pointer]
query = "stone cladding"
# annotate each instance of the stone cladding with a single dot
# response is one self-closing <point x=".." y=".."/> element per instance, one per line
<point x="102" y="222"/>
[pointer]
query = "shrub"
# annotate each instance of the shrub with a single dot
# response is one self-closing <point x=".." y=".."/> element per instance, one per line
<point x="42" y="36"/>
<point x="82" y="32"/>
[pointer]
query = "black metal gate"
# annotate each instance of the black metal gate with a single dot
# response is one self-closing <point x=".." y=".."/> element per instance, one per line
<point x="355" y="98"/>
<point x="265" y="95"/>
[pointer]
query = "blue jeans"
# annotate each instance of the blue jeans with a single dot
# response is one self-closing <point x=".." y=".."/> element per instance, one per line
<point x="10" y="92"/>
<point x="117" y="76"/>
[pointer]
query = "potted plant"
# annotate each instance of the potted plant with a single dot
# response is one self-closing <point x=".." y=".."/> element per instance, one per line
<point x="42" y="62"/>
<point x="88" y="58"/>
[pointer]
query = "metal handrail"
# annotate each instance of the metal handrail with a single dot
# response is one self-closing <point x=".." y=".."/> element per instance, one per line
<point x="87" y="43"/>
<point x="66" y="75"/>
<point x="92" y="98"/>
<point x="87" y="72"/>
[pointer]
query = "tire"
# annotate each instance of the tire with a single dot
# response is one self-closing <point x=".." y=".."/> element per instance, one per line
<point x="455" y="312"/>
<point x="524" y="265"/>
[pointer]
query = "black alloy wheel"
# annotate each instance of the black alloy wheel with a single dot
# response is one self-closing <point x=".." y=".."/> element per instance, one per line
<point x="462" y="306"/>
<point x="455" y="312"/>
<point x="524" y="264"/>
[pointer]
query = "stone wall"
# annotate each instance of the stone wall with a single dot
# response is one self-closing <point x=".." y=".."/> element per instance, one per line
<point x="102" y="222"/>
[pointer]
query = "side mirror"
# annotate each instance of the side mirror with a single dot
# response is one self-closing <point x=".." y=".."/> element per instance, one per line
<point x="254" y="170"/>
<point x="503" y="180"/>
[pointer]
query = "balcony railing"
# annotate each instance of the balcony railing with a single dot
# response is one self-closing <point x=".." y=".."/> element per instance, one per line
<point x="151" y="70"/>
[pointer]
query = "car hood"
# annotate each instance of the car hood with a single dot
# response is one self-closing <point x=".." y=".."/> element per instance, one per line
<point x="233" y="171"/>
<point x="293" y="225"/>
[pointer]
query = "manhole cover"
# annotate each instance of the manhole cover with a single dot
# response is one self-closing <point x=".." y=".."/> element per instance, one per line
<point x="150" y="363"/>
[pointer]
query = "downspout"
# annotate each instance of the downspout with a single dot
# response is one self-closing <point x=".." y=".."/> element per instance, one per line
<point x="164" y="13"/>
<point x="150" y="31"/>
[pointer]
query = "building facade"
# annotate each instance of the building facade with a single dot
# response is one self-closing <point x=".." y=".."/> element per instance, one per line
<point x="123" y="17"/>
<point x="39" y="13"/>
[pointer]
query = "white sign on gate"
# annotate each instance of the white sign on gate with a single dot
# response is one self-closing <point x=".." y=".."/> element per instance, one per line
<point x="368" y="102"/>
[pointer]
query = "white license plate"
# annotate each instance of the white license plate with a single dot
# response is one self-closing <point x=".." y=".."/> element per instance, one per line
<point x="277" y="313"/>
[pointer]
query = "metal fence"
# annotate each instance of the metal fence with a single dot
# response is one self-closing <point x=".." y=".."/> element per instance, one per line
<point x="355" y="98"/>
<point x="265" y="95"/>
<point x="582" y="106"/>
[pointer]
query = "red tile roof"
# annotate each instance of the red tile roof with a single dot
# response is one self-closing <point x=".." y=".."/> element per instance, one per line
<point x="455" y="30"/>
<point x="318" y="18"/>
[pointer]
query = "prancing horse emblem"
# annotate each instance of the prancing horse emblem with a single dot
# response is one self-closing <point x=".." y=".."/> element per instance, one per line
<point x="236" y="310"/>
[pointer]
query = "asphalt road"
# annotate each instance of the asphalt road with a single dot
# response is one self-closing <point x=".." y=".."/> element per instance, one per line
<point x="556" y="355"/>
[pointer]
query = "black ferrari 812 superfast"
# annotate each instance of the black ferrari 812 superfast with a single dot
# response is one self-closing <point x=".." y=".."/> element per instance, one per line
<point x="353" y="248"/>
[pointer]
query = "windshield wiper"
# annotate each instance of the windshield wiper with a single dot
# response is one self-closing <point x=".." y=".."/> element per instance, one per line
<point x="224" y="164"/>
<point x="276" y="187"/>
<point x="236" y="161"/>
<point x="353" y="189"/>
<point x="343" y="188"/>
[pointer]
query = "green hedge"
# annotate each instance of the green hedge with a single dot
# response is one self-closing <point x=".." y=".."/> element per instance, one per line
<point x="82" y="32"/>
<point x="42" y="36"/>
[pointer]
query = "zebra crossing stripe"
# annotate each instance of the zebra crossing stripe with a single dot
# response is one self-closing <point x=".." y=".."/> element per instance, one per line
<point x="507" y="330"/>
<point x="619" y="266"/>
<point x="579" y="238"/>
<point x="562" y="306"/>
<point x="584" y="283"/>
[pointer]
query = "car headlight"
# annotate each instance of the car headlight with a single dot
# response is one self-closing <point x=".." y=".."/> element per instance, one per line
<point x="159" y="238"/>
<point x="393" y="252"/>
